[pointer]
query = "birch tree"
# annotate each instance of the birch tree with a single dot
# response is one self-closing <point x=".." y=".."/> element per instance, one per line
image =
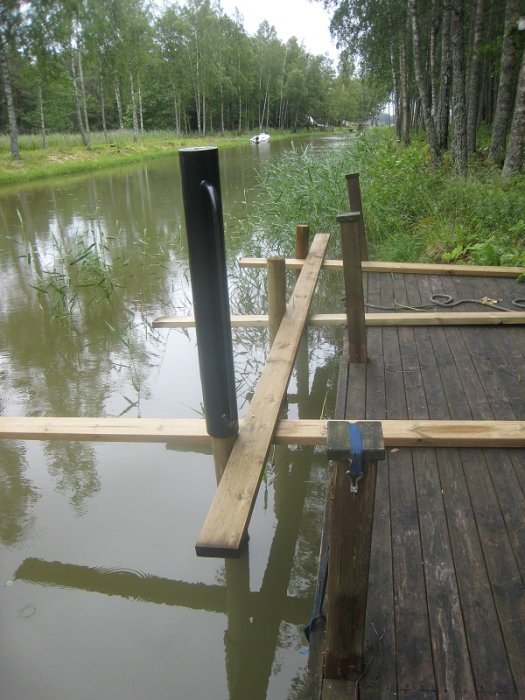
<point x="514" y="158"/>
<point x="8" y="17"/>
<point x="423" y="88"/>
<point x="507" y="82"/>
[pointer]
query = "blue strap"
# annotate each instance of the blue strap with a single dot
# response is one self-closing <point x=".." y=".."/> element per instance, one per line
<point x="356" y="450"/>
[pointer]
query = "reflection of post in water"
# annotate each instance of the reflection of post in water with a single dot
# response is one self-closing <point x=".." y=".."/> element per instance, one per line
<point x="135" y="585"/>
<point x="207" y="260"/>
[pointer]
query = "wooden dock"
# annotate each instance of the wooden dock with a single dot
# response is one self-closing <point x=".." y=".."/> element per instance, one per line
<point x="445" y="614"/>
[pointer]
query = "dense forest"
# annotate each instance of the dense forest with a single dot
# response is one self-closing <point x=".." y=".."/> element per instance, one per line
<point x="82" y="65"/>
<point x="453" y="67"/>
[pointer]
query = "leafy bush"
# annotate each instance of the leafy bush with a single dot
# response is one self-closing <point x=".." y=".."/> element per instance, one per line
<point x="412" y="211"/>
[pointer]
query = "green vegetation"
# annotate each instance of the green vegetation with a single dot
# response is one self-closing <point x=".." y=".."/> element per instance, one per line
<point x="65" y="154"/>
<point x="450" y="67"/>
<point x="412" y="211"/>
<point x="106" y="65"/>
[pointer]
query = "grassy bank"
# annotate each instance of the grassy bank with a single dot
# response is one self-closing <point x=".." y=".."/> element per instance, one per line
<point x="65" y="154"/>
<point x="412" y="212"/>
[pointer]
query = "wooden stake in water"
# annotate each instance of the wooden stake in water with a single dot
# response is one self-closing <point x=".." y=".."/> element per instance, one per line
<point x="276" y="295"/>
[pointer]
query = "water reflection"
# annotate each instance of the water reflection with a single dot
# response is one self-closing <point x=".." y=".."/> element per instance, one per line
<point x="64" y="504"/>
<point x="17" y="494"/>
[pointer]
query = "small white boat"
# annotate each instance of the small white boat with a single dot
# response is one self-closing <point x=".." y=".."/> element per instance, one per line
<point x="260" y="138"/>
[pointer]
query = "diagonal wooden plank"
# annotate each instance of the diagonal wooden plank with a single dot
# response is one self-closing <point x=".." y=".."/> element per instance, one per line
<point x="226" y="523"/>
<point x="409" y="268"/>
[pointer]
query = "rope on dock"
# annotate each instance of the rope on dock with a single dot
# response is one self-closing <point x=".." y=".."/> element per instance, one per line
<point x="447" y="301"/>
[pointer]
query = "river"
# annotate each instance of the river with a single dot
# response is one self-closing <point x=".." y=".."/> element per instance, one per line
<point x="102" y="595"/>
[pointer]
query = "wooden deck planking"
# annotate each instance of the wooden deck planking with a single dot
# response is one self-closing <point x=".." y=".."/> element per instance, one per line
<point x="380" y="680"/>
<point x="414" y="648"/>
<point x="449" y="528"/>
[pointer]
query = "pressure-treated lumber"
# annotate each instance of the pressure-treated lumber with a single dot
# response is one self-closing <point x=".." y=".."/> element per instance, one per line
<point x="187" y="432"/>
<point x="395" y="318"/>
<point x="409" y="268"/>
<point x="225" y="526"/>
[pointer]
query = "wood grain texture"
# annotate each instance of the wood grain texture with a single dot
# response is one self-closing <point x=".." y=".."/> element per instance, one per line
<point x="227" y="521"/>
<point x="397" y="318"/>
<point x="192" y="431"/>
<point x="407" y="268"/>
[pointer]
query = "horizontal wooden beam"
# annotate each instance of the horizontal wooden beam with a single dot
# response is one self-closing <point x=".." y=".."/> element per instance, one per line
<point x="408" y="268"/>
<point x="186" y="432"/>
<point x="394" y="318"/>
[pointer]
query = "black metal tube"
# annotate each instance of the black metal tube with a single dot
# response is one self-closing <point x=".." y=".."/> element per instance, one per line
<point x="201" y="193"/>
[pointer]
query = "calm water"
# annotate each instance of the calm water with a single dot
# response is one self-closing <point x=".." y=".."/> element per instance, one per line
<point x="102" y="595"/>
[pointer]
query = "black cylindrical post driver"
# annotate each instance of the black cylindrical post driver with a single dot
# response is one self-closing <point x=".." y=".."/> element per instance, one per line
<point x="201" y="193"/>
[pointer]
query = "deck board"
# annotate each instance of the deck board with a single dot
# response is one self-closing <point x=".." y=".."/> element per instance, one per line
<point x="446" y="604"/>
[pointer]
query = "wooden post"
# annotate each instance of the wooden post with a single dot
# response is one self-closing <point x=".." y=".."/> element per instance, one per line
<point x="350" y="543"/>
<point x="276" y="294"/>
<point x="302" y="245"/>
<point x="354" y="197"/>
<point x="353" y="276"/>
<point x="302" y="241"/>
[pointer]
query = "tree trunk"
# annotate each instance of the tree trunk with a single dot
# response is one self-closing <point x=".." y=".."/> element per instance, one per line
<point x="83" y="92"/>
<point x="42" y="116"/>
<point x="506" y="88"/>
<point x="403" y="69"/>
<point x="141" y="112"/>
<point x="444" y="81"/>
<point x="118" y="100"/>
<point x="396" y="94"/>
<point x="83" y="133"/>
<point x="103" y="108"/>
<point x="133" y="107"/>
<point x="177" y="114"/>
<point x="430" y="126"/>
<point x="459" y="106"/>
<point x="240" y="112"/>
<point x="474" y="81"/>
<point x="514" y="159"/>
<point x="10" y="105"/>
<point x="223" y="128"/>
<point x="434" y="30"/>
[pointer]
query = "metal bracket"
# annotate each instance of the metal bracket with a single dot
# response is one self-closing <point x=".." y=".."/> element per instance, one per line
<point x="354" y="443"/>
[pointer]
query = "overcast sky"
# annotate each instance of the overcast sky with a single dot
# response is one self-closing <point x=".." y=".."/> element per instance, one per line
<point x="306" y="20"/>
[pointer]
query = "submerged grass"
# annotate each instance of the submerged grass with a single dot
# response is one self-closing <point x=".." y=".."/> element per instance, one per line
<point x="412" y="212"/>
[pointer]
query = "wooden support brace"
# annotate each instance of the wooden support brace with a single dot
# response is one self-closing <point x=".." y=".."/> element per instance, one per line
<point x="395" y="318"/>
<point x="227" y="521"/>
<point x="355" y="449"/>
<point x="451" y="269"/>
<point x="191" y="432"/>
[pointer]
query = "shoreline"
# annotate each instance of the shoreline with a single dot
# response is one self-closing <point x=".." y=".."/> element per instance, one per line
<point x="63" y="159"/>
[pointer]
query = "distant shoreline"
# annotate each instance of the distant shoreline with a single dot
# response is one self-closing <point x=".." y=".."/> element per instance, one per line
<point x="65" y="154"/>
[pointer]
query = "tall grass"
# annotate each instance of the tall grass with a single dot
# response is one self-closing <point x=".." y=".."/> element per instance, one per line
<point x="412" y="212"/>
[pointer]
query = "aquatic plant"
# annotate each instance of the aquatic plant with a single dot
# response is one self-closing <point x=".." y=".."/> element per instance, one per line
<point x="412" y="212"/>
